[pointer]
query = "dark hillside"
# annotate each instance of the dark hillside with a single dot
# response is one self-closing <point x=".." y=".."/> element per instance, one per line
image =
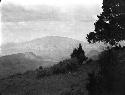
<point x="20" y="63"/>
<point x="110" y="79"/>
<point x="60" y="84"/>
<point x="119" y="82"/>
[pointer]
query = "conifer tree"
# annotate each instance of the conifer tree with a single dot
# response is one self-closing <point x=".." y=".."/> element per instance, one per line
<point x="79" y="54"/>
<point x="110" y="26"/>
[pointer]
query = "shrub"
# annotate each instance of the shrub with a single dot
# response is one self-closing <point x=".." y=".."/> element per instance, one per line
<point x="79" y="54"/>
<point x="69" y="91"/>
<point x="42" y="72"/>
<point x="65" y="66"/>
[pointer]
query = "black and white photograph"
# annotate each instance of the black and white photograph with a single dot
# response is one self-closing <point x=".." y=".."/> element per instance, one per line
<point x="62" y="47"/>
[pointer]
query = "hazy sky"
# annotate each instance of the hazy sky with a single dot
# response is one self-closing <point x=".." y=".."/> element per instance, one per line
<point x="60" y="3"/>
<point x="24" y="20"/>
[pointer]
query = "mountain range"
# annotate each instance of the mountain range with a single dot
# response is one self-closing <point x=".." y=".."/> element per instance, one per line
<point x="46" y="51"/>
<point x="50" y="47"/>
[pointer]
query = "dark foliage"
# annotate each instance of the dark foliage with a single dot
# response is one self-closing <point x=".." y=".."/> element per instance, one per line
<point x="108" y="74"/>
<point x="41" y="73"/>
<point x="110" y="29"/>
<point x="110" y="69"/>
<point x="65" y="66"/>
<point x="92" y="85"/>
<point x="110" y="26"/>
<point x="79" y="54"/>
<point x="73" y="90"/>
<point x="107" y="65"/>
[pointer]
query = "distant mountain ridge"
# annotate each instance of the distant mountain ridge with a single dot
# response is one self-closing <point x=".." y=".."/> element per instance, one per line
<point x="20" y="57"/>
<point x="53" y="48"/>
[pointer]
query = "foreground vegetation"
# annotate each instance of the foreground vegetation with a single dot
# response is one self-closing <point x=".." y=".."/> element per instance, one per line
<point x="68" y="77"/>
<point x="64" y="66"/>
<point x="109" y="79"/>
<point x="105" y="76"/>
<point x="109" y="29"/>
<point x="70" y="83"/>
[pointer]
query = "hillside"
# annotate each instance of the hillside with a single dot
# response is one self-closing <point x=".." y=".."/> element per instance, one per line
<point x="52" y="48"/>
<point x="25" y="84"/>
<point x="119" y="73"/>
<point x="61" y="84"/>
<point x="20" y="57"/>
<point x="21" y="62"/>
<point x="110" y="79"/>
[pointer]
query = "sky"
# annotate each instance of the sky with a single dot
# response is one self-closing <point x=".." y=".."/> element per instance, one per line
<point x="60" y="3"/>
<point x="25" y="20"/>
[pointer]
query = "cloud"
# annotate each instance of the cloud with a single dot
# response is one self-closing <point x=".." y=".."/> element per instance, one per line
<point x="16" y="13"/>
<point x="13" y="13"/>
<point x="27" y="23"/>
<point x="62" y="3"/>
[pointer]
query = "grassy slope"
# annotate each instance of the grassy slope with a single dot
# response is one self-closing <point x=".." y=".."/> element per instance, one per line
<point x="51" y="85"/>
<point x="20" y="63"/>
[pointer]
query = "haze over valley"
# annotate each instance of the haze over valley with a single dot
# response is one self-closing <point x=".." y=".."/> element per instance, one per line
<point x="45" y="52"/>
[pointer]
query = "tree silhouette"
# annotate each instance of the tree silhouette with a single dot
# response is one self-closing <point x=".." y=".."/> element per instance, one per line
<point x="79" y="54"/>
<point x="74" y="53"/>
<point x="110" y="26"/>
